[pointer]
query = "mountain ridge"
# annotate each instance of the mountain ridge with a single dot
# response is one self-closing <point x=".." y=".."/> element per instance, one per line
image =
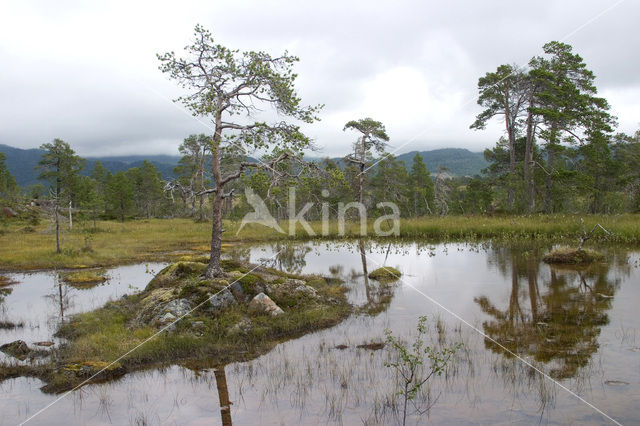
<point x="21" y="162"/>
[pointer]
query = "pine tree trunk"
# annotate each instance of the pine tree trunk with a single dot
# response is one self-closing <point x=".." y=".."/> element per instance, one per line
<point x="512" y="153"/>
<point x="214" y="270"/>
<point x="57" y="228"/>
<point x="528" y="162"/>
<point x="548" y="196"/>
<point x="201" y="207"/>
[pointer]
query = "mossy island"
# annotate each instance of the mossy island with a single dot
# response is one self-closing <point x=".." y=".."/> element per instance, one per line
<point x="385" y="274"/>
<point x="184" y="318"/>
<point x="84" y="279"/>
<point x="571" y="256"/>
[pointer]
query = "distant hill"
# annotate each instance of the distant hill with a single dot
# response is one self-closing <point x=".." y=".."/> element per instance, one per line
<point x="22" y="162"/>
<point x="459" y="161"/>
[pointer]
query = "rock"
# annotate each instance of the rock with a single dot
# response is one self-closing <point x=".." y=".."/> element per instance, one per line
<point x="306" y="290"/>
<point x="294" y="282"/>
<point x="292" y="287"/>
<point x="170" y="312"/>
<point x="238" y="292"/>
<point x="241" y="327"/>
<point x="222" y="300"/>
<point x="164" y="319"/>
<point x="17" y="349"/>
<point x="178" y="307"/>
<point x="262" y="304"/>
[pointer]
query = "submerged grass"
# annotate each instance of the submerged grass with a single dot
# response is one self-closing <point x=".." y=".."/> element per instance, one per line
<point x="114" y="243"/>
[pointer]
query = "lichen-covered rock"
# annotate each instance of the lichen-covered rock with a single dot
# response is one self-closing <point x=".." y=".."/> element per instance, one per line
<point x="221" y="300"/>
<point x="151" y="306"/>
<point x="163" y="319"/>
<point x="262" y="304"/>
<point x="178" y="307"/>
<point x="292" y="291"/>
<point x="306" y="290"/>
<point x="170" y="312"/>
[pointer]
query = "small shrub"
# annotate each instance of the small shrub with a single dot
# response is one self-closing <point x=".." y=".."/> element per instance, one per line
<point x="408" y="361"/>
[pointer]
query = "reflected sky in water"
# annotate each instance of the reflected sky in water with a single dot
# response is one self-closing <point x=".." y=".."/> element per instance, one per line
<point x="579" y="326"/>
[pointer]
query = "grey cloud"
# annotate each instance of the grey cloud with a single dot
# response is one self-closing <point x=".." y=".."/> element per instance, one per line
<point x="120" y="103"/>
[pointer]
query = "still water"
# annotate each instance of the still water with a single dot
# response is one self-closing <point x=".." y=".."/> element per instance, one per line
<point x="577" y="328"/>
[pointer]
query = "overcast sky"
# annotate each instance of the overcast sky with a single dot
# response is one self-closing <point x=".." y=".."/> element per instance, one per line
<point x="86" y="72"/>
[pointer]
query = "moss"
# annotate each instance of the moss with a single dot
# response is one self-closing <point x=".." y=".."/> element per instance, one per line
<point x="177" y="274"/>
<point x="249" y="284"/>
<point x="386" y="274"/>
<point x="191" y="258"/>
<point x="230" y="264"/>
<point x="317" y="282"/>
<point x="566" y="255"/>
<point x="84" y="278"/>
<point x="199" y="292"/>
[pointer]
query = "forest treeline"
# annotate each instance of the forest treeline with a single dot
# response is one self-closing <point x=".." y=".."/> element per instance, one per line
<point x="559" y="153"/>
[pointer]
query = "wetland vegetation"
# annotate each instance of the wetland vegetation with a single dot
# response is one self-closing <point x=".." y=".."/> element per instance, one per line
<point x="256" y="309"/>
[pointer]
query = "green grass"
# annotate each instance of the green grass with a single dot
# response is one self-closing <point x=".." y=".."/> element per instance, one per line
<point x="163" y="239"/>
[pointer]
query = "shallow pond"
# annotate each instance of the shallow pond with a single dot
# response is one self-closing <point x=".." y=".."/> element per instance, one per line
<point x="573" y="331"/>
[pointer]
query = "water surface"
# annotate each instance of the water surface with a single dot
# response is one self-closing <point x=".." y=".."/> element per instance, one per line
<point x="578" y="327"/>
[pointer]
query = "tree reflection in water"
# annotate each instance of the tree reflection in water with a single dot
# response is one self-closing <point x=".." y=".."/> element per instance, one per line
<point x="564" y="316"/>
<point x="288" y="257"/>
<point x="59" y="297"/>
<point x="379" y="295"/>
<point x="223" y="396"/>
